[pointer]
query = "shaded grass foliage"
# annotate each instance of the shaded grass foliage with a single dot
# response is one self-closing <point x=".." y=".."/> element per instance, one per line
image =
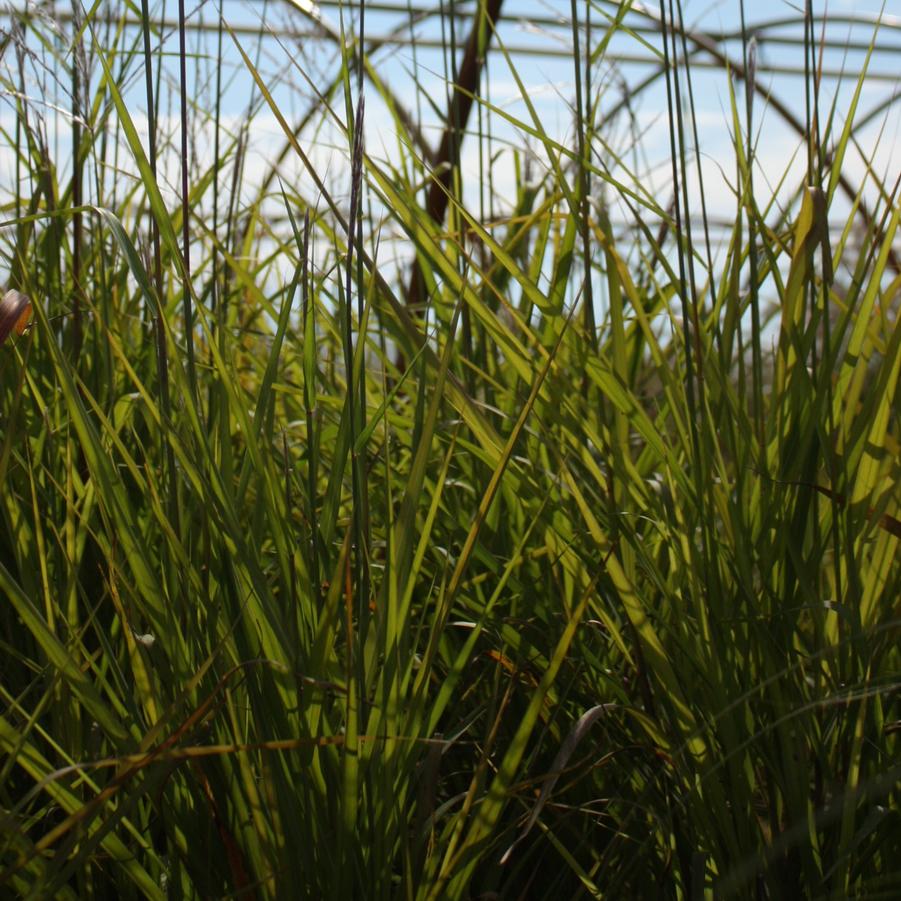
<point x="539" y="558"/>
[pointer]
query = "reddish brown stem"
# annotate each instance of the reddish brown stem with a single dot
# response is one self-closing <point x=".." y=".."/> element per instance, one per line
<point x="465" y="89"/>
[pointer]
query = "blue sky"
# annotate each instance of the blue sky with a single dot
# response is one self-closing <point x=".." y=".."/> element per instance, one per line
<point x="549" y="83"/>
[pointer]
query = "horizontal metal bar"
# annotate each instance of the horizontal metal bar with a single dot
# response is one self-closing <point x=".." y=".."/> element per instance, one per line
<point x="399" y="40"/>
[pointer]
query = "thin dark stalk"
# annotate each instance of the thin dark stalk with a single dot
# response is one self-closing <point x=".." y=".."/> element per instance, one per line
<point x="355" y="402"/>
<point x="77" y="174"/>
<point x="100" y="272"/>
<point x="811" y="120"/>
<point x="672" y="105"/>
<point x="233" y="232"/>
<point x="814" y="178"/>
<point x="308" y="312"/>
<point x="162" y="353"/>
<point x="454" y="224"/>
<point x="697" y="148"/>
<point x="359" y="460"/>
<point x="584" y="204"/>
<point x="216" y="263"/>
<point x="682" y="184"/>
<point x="467" y="335"/>
<point x="694" y="405"/>
<point x="704" y="435"/>
<point x="154" y="227"/>
<point x="487" y="184"/>
<point x="17" y="30"/>
<point x="694" y="351"/>
<point x="750" y="59"/>
<point x="217" y="153"/>
<point x="185" y="201"/>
